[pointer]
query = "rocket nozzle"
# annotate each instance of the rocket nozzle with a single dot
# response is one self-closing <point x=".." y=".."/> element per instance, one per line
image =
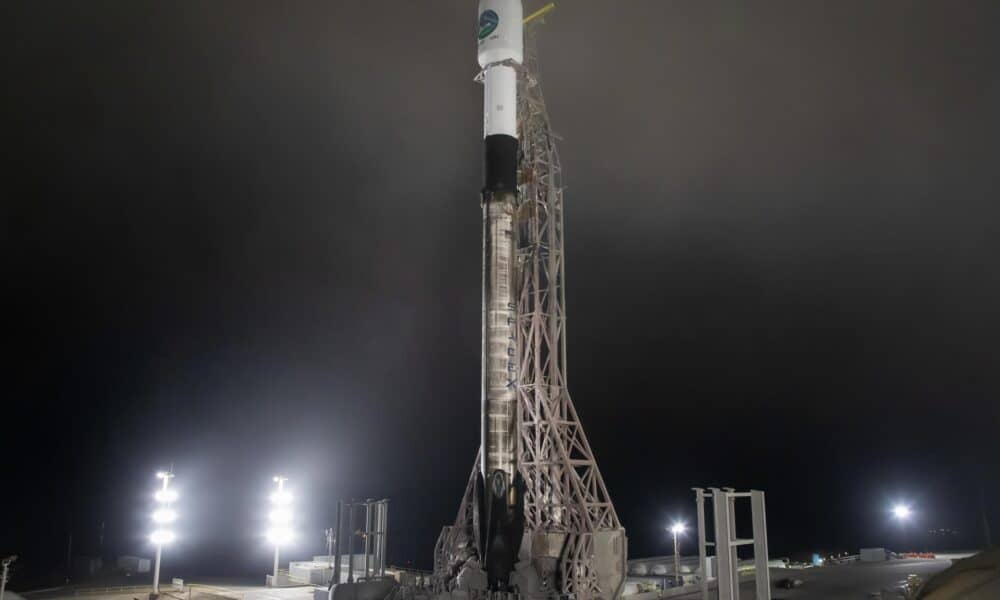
<point x="499" y="526"/>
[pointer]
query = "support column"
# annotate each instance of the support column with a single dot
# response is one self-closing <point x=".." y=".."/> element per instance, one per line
<point x="734" y="549"/>
<point x="385" y="531"/>
<point x="762" y="572"/>
<point x="723" y="546"/>
<point x="377" y="541"/>
<point x="339" y="530"/>
<point x="350" y="544"/>
<point x="368" y="537"/>
<point x="699" y="499"/>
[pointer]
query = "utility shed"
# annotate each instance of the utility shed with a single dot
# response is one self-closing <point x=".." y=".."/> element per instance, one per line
<point x="872" y="555"/>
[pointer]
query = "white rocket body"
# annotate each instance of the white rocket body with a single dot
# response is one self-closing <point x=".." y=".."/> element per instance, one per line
<point x="500" y="510"/>
<point x="500" y="47"/>
<point x="500" y="101"/>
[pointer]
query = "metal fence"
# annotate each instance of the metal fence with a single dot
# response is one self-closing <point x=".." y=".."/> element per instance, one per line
<point x="212" y="592"/>
<point x="112" y="589"/>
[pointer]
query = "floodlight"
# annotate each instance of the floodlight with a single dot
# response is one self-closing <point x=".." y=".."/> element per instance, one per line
<point x="161" y="536"/>
<point x="164" y="515"/>
<point x="901" y="512"/>
<point x="281" y="497"/>
<point x="161" y="516"/>
<point x="678" y="528"/>
<point x="279" y="535"/>
<point x="165" y="496"/>
<point x="280" y="516"/>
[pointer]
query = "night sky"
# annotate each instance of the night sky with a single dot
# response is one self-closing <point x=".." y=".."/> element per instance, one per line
<point x="244" y="238"/>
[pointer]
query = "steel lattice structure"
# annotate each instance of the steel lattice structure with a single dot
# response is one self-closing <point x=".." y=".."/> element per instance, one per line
<point x="565" y="491"/>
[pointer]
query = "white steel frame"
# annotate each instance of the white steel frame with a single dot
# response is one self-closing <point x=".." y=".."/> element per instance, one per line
<point x="726" y="544"/>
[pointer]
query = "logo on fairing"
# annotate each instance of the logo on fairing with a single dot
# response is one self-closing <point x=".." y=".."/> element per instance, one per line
<point x="488" y="22"/>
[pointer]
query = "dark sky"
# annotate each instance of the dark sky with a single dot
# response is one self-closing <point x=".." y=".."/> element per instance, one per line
<point x="244" y="238"/>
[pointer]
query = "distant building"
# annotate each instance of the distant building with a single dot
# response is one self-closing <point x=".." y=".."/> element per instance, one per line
<point x="133" y="564"/>
<point x="87" y="566"/>
<point x="319" y="570"/>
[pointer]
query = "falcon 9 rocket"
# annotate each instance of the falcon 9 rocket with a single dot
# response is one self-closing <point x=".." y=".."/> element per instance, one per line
<point x="500" y="488"/>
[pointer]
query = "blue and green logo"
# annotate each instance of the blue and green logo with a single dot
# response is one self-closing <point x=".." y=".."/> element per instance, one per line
<point x="488" y="22"/>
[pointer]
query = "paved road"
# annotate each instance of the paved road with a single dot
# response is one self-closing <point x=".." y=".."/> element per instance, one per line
<point x="856" y="580"/>
<point x="842" y="582"/>
<point x="205" y="591"/>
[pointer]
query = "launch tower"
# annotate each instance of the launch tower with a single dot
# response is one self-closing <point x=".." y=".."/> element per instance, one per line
<point x="569" y="541"/>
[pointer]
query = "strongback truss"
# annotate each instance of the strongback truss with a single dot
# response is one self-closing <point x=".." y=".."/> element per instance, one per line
<point x="565" y="491"/>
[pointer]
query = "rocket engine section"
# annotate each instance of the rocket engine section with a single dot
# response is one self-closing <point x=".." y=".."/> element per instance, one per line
<point x="499" y="497"/>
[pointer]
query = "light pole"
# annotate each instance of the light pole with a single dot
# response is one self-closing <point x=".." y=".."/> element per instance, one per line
<point x="162" y="516"/>
<point x="3" y="579"/>
<point x="280" y="517"/>
<point x="678" y="528"/>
